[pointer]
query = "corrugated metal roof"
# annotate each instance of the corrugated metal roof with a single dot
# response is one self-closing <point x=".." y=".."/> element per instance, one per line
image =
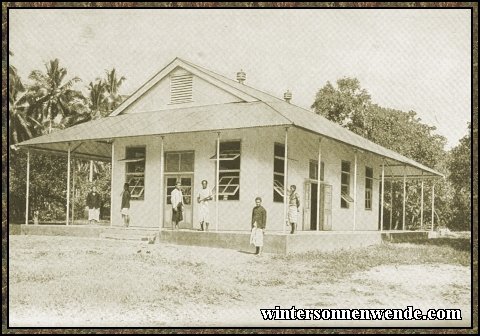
<point x="268" y="111"/>
<point x="314" y="122"/>
<point x="181" y="120"/>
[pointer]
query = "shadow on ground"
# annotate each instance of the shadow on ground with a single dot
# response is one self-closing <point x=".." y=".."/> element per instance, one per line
<point x="459" y="244"/>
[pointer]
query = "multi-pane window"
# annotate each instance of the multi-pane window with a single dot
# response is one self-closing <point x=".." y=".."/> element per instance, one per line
<point x="179" y="162"/>
<point x="313" y="170"/>
<point x="229" y="172"/>
<point x="345" y="185"/>
<point x="368" y="188"/>
<point x="278" y="172"/>
<point x="135" y="171"/>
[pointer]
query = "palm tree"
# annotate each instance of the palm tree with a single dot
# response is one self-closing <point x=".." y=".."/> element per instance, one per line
<point x="112" y="84"/>
<point x="52" y="98"/>
<point x="19" y="124"/>
<point x="97" y="101"/>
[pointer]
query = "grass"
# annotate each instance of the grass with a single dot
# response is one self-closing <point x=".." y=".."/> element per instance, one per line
<point x="72" y="281"/>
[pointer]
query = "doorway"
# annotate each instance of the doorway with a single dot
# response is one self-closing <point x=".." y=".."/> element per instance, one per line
<point x="186" y="181"/>
<point x="311" y="205"/>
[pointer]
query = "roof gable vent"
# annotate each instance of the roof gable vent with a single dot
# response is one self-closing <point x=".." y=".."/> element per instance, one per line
<point x="181" y="88"/>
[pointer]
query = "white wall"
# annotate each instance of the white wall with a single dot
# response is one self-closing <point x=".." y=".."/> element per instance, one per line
<point x="303" y="147"/>
<point x="158" y="97"/>
<point x="256" y="176"/>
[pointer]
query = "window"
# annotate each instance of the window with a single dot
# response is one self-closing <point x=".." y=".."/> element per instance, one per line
<point x="135" y="171"/>
<point x="278" y="172"/>
<point x="229" y="173"/>
<point x="313" y="171"/>
<point x="179" y="162"/>
<point x="345" y="185"/>
<point x="368" y="188"/>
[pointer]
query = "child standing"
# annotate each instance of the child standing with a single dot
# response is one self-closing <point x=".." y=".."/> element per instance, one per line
<point x="259" y="223"/>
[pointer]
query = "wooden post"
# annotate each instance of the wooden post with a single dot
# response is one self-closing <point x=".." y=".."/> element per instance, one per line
<point x="90" y="176"/>
<point x="111" y="183"/>
<point x="433" y="204"/>
<point x="355" y="193"/>
<point x="421" y="206"/>
<point x="217" y="178"/>
<point x="285" y="182"/>
<point x="319" y="171"/>
<point x="391" y="203"/>
<point x="27" y="195"/>
<point x="162" y="196"/>
<point x="404" y="191"/>
<point x="73" y="193"/>
<point x="383" y="193"/>
<point x="68" y="185"/>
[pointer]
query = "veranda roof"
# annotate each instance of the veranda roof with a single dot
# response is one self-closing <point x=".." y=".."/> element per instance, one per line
<point x="90" y="139"/>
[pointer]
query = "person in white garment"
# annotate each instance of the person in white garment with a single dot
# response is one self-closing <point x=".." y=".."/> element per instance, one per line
<point x="204" y="196"/>
<point x="177" y="204"/>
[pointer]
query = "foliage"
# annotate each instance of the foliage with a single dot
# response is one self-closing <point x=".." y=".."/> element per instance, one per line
<point x="51" y="101"/>
<point x="51" y="98"/>
<point x="81" y="186"/>
<point x="48" y="177"/>
<point x="350" y="106"/>
<point x="459" y="176"/>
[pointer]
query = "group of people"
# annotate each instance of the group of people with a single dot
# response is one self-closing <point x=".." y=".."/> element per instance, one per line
<point x="259" y="218"/>
<point x="93" y="203"/>
<point x="259" y="214"/>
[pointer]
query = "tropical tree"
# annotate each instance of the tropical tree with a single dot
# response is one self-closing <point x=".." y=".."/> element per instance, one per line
<point x="19" y="123"/>
<point x="459" y="176"/>
<point x="96" y="99"/>
<point x="52" y="97"/>
<point x="347" y="104"/>
<point x="350" y="106"/>
<point x="112" y="85"/>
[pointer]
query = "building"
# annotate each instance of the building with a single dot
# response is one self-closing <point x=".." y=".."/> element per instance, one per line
<point x="188" y="123"/>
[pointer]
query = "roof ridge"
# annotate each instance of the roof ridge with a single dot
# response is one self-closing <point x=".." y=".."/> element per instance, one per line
<point x="273" y="108"/>
<point x="207" y="71"/>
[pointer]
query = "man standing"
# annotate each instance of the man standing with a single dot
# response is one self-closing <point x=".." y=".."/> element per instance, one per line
<point x="203" y="197"/>
<point x="93" y="205"/>
<point x="177" y="204"/>
<point x="293" y="208"/>
<point x="259" y="223"/>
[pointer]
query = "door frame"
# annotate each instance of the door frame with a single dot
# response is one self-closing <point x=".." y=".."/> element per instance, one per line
<point x="308" y="206"/>
<point x="168" y="208"/>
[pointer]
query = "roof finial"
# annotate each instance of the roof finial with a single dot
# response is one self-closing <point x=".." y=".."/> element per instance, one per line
<point x="241" y="76"/>
<point x="287" y="96"/>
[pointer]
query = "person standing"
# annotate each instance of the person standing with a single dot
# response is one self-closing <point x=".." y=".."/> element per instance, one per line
<point x="293" y="208"/>
<point x="176" y="198"/>
<point x="259" y="223"/>
<point x="93" y="205"/>
<point x="204" y="196"/>
<point x="125" y="208"/>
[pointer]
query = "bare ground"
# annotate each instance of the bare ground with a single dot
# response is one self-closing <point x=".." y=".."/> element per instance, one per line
<point x="68" y="281"/>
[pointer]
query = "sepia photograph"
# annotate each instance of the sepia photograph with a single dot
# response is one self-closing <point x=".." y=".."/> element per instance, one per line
<point x="239" y="167"/>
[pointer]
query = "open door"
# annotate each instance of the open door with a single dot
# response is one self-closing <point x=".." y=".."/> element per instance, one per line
<point x="187" y="183"/>
<point x="311" y="205"/>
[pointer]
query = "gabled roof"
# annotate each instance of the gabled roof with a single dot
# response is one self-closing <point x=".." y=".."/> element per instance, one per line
<point x="259" y="109"/>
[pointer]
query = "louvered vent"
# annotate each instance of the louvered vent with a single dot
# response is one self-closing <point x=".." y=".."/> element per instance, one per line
<point x="181" y="88"/>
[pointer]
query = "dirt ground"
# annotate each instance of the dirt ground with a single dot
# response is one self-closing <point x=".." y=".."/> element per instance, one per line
<point x="67" y="281"/>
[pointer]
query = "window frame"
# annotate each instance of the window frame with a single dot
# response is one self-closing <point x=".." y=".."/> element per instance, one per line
<point x="322" y="170"/>
<point x="278" y="187"/>
<point x="229" y="174"/>
<point x="345" y="198"/>
<point x="368" y="190"/>
<point x="138" y="176"/>
<point x="179" y="162"/>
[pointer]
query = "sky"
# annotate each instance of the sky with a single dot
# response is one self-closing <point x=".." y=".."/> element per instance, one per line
<point x="407" y="59"/>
